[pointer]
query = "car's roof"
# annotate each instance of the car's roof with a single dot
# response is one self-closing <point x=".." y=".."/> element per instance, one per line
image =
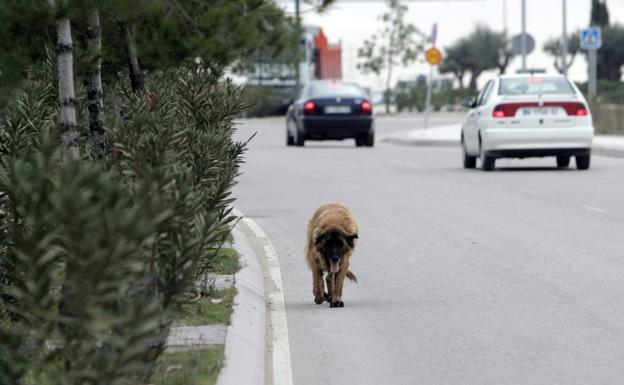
<point x="311" y="82"/>
<point x="530" y="75"/>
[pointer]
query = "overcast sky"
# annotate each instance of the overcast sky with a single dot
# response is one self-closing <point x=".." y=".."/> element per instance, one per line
<point x="351" y="22"/>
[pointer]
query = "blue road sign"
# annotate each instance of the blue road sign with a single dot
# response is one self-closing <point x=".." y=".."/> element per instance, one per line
<point x="591" y="38"/>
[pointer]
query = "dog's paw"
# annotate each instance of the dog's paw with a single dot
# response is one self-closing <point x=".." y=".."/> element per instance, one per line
<point x="327" y="297"/>
<point x="336" y="304"/>
<point x="318" y="300"/>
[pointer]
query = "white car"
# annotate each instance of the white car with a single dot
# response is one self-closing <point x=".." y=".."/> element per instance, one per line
<point x="528" y="115"/>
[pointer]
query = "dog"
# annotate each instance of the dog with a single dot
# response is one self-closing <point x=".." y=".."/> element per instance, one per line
<point x="331" y="236"/>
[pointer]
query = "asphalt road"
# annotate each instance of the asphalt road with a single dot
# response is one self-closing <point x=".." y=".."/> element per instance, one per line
<point x="465" y="277"/>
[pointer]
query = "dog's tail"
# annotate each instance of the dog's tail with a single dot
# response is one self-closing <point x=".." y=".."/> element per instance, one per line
<point x="351" y="276"/>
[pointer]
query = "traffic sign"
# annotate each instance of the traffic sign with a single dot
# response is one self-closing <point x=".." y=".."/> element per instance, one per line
<point x="433" y="56"/>
<point x="516" y="44"/>
<point x="591" y="38"/>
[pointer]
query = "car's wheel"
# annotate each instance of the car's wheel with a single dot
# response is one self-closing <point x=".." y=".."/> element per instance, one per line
<point x="563" y="161"/>
<point x="299" y="139"/>
<point x="359" y="141"/>
<point x="469" y="161"/>
<point x="369" y="139"/>
<point x="583" y="161"/>
<point x="487" y="162"/>
<point x="289" y="138"/>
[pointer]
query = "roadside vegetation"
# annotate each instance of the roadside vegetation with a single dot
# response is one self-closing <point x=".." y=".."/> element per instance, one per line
<point x="200" y="367"/>
<point x="116" y="169"/>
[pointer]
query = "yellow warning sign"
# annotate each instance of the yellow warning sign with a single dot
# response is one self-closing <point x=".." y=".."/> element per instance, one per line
<point x="433" y="56"/>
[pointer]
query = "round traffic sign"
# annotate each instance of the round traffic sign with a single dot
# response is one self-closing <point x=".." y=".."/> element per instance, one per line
<point x="516" y="44"/>
<point x="433" y="56"/>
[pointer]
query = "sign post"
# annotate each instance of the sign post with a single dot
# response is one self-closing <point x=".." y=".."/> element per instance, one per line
<point x="591" y="40"/>
<point x="433" y="57"/>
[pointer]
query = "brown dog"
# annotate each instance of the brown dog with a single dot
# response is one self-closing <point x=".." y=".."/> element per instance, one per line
<point x="332" y="232"/>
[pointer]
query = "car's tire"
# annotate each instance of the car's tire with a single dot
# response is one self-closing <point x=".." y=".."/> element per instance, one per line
<point x="583" y="161"/>
<point x="488" y="163"/>
<point x="563" y="161"/>
<point x="469" y="161"/>
<point x="290" y="141"/>
<point x="359" y="141"/>
<point x="370" y="139"/>
<point x="299" y="139"/>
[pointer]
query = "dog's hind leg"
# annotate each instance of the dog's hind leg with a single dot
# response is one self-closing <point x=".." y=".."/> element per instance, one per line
<point x="318" y="286"/>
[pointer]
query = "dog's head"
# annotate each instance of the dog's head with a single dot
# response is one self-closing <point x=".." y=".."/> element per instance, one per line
<point x="334" y="244"/>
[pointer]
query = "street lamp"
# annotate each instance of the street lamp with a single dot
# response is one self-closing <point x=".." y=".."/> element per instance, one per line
<point x="564" y="40"/>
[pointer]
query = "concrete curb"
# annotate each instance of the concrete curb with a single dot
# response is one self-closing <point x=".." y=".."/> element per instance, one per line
<point x="245" y="342"/>
<point x="608" y="151"/>
<point x="257" y="350"/>
<point x="420" y="142"/>
<point x="182" y="338"/>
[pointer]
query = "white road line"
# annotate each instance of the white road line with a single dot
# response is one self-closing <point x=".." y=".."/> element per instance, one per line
<point x="593" y="208"/>
<point x="532" y="192"/>
<point x="280" y="349"/>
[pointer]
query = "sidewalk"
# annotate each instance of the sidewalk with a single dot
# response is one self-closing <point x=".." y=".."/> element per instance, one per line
<point x="448" y="136"/>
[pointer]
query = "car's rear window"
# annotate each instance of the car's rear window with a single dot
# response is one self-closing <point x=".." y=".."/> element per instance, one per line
<point x="536" y="85"/>
<point x="335" y="89"/>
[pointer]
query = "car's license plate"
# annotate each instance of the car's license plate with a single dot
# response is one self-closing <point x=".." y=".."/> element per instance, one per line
<point x="542" y="111"/>
<point x="337" y="110"/>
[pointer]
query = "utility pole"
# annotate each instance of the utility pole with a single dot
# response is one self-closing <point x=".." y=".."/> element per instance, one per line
<point x="523" y="40"/>
<point x="505" y="25"/>
<point x="298" y="53"/>
<point x="564" y="40"/>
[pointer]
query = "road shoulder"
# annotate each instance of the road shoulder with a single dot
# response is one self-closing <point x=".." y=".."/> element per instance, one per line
<point x="257" y="348"/>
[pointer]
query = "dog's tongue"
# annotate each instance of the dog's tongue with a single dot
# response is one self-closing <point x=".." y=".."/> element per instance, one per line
<point x="334" y="267"/>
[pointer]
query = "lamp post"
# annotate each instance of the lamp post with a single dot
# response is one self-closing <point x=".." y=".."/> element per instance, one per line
<point x="297" y="59"/>
<point x="523" y="40"/>
<point x="564" y="40"/>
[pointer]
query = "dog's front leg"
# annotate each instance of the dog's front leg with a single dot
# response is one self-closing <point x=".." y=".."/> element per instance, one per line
<point x="336" y="300"/>
<point x="330" y="279"/>
<point x="317" y="286"/>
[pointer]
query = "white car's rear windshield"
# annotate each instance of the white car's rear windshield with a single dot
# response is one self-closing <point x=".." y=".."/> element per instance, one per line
<point x="334" y="89"/>
<point x="536" y="85"/>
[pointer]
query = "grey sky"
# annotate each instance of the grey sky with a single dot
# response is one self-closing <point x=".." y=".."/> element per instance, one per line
<point x="352" y="22"/>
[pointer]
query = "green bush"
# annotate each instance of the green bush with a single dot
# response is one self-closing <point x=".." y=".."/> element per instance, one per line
<point x="96" y="259"/>
<point x="265" y="101"/>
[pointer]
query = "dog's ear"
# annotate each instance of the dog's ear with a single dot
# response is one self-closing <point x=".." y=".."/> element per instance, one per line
<point x="318" y="237"/>
<point x="350" y="238"/>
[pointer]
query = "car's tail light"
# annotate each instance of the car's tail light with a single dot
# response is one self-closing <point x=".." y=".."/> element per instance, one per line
<point x="367" y="107"/>
<point x="499" y="112"/>
<point x="309" y="107"/>
<point x="581" y="110"/>
<point x="508" y="110"/>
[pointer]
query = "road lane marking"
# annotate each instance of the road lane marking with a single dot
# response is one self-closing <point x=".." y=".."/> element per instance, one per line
<point x="532" y="192"/>
<point x="595" y="209"/>
<point x="280" y="346"/>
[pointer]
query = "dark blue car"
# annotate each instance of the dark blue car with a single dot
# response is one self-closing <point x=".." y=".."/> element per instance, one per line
<point x="331" y="110"/>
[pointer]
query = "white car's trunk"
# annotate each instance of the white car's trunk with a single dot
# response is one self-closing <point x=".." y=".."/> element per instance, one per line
<point x="547" y="111"/>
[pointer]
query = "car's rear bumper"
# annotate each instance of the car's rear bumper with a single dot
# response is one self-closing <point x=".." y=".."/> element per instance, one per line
<point x="531" y="142"/>
<point x="336" y="127"/>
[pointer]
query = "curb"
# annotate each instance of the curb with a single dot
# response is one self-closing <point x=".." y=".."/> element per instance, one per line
<point x="257" y="349"/>
<point x="245" y="345"/>
<point x="421" y="142"/>
<point x="608" y="151"/>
